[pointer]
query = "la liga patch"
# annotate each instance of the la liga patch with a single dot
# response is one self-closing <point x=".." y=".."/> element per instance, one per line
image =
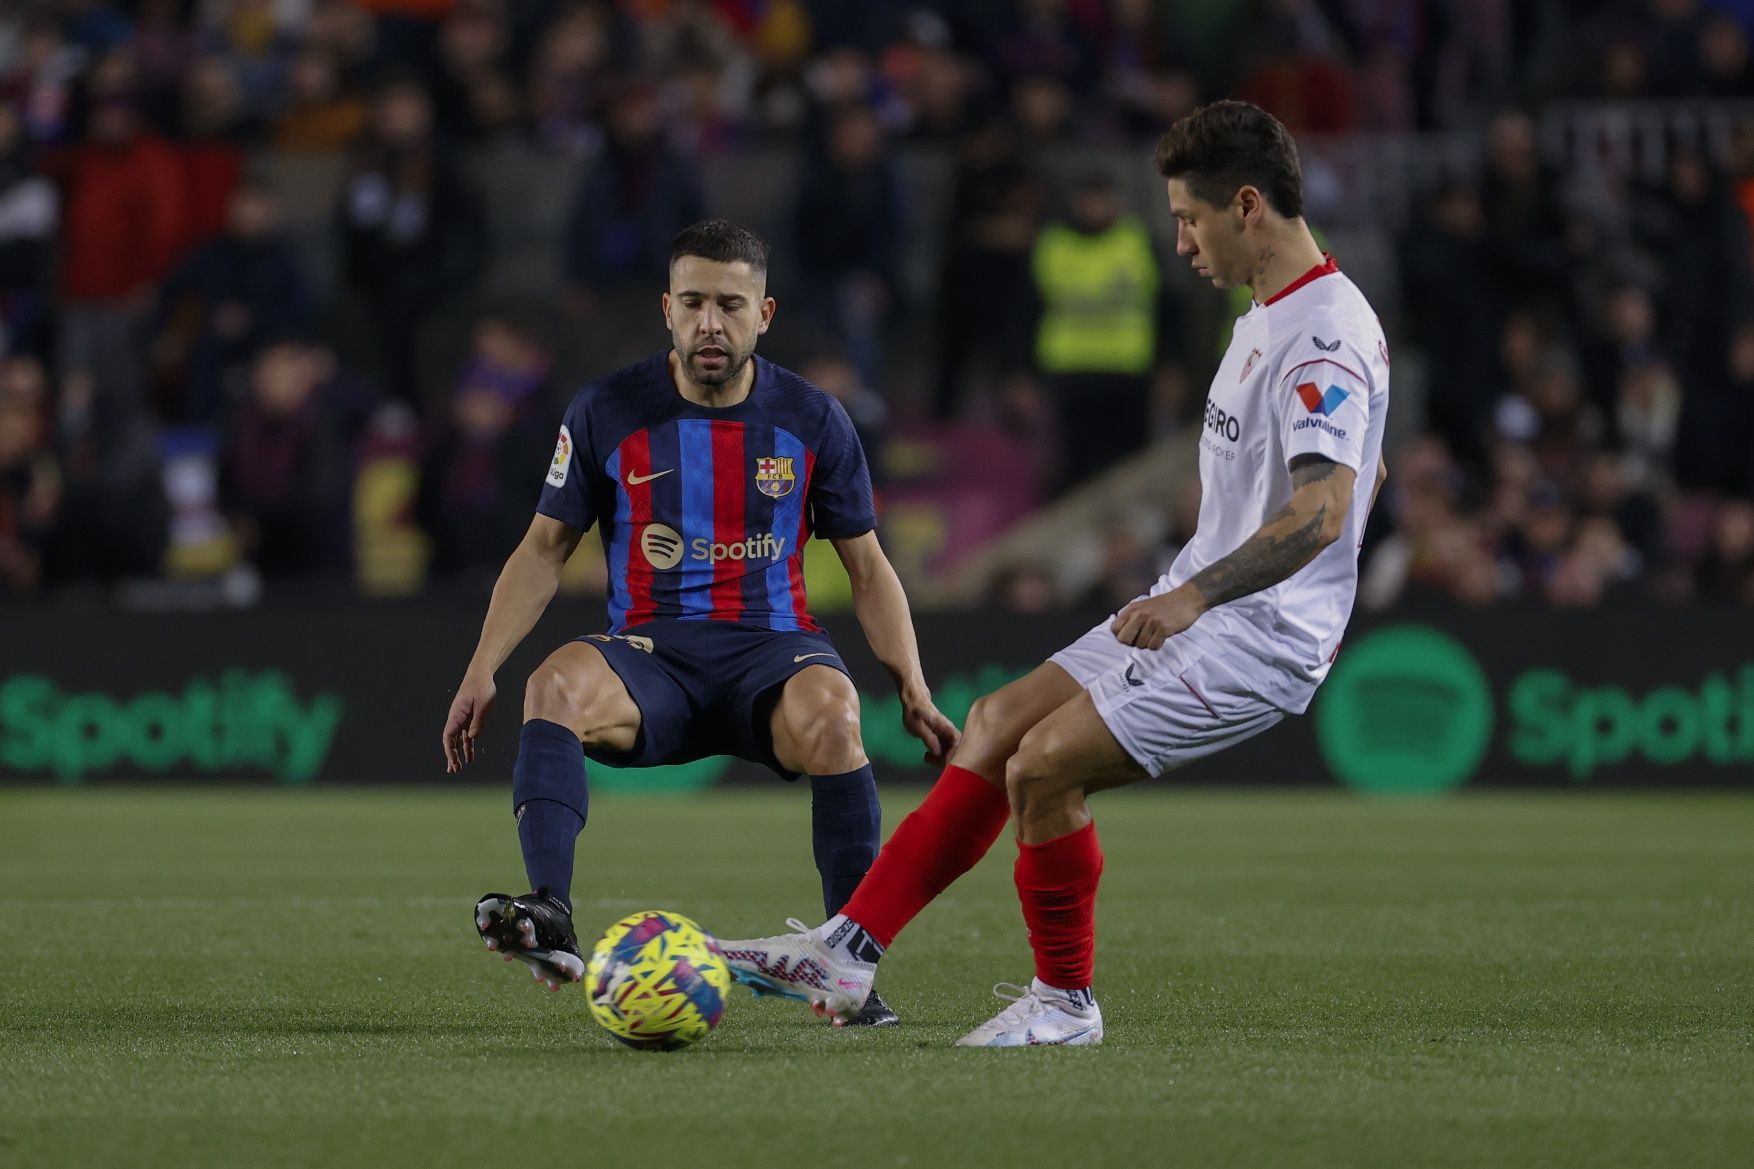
<point x="562" y="458"/>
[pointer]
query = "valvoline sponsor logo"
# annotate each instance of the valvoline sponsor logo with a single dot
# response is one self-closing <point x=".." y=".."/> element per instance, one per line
<point x="1318" y="401"/>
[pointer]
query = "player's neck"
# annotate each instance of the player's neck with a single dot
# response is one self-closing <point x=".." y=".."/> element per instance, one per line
<point x="712" y="397"/>
<point x="1285" y="252"/>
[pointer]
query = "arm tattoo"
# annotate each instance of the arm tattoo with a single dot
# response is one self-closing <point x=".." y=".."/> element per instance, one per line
<point x="1306" y="469"/>
<point x="1267" y="558"/>
<point x="1264" y="559"/>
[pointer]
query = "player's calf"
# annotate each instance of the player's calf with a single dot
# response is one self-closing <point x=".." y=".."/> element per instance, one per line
<point x="535" y="929"/>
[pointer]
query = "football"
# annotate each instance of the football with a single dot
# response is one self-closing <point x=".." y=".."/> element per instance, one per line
<point x="656" y="981"/>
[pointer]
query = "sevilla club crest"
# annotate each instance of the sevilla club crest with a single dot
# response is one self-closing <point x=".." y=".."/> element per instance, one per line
<point x="1249" y="365"/>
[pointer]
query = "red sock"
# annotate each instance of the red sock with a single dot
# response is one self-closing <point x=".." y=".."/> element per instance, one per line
<point x="1057" y="883"/>
<point x="939" y="841"/>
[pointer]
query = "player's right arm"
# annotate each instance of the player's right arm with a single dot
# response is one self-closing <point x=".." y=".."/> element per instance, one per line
<point x="1312" y="519"/>
<point x="531" y="576"/>
<point x="526" y="584"/>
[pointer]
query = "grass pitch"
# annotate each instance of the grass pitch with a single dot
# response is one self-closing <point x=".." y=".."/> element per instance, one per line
<point x="292" y="979"/>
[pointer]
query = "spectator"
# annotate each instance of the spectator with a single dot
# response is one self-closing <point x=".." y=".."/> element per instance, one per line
<point x="1043" y="109"/>
<point x="30" y="481"/>
<point x="29" y="209"/>
<point x="1127" y="571"/>
<point x="319" y="114"/>
<point x="1726" y="67"/>
<point x="831" y="372"/>
<point x="1099" y="336"/>
<point x="569" y="78"/>
<point x="1027" y="589"/>
<point x="346" y="31"/>
<point x="214" y="131"/>
<point x="114" y="517"/>
<point x="412" y="230"/>
<point x="631" y="202"/>
<point x="234" y="294"/>
<point x="476" y="486"/>
<point x="472" y="96"/>
<point x="1047" y="39"/>
<point x="1451" y="304"/>
<point x="1716" y="423"/>
<point x="1703" y="242"/>
<point x="1726" y="575"/>
<point x="983" y="287"/>
<point x="164" y="44"/>
<point x="847" y="233"/>
<point x="42" y="84"/>
<point x="124" y="226"/>
<point x="286" y="468"/>
<point x="1525" y="228"/>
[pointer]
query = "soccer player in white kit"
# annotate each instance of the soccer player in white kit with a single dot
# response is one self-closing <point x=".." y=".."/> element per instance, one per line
<point x="1238" y="634"/>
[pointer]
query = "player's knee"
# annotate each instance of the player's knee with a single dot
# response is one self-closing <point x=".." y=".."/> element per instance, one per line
<point x="555" y="695"/>
<point x="992" y="725"/>
<point x="1028" y="778"/>
<point x="829" y="740"/>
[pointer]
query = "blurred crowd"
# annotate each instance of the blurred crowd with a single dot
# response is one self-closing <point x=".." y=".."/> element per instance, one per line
<point x="186" y="391"/>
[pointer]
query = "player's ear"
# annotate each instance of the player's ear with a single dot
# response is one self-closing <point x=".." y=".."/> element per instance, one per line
<point x="768" y="305"/>
<point x="1249" y="205"/>
<point x="666" y="303"/>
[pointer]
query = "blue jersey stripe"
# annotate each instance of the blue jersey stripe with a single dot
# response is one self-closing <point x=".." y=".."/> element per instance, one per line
<point x="616" y="547"/>
<point x="694" y="467"/>
<point x="757" y="518"/>
<point x="787" y="511"/>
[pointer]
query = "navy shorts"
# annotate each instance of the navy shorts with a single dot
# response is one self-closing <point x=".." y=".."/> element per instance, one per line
<point x="706" y="687"/>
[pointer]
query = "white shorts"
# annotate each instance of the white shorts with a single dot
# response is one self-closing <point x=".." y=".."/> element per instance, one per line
<point x="1167" y="707"/>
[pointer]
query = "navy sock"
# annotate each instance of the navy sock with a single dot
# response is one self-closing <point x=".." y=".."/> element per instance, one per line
<point x="550" y="799"/>
<point x="846" y="828"/>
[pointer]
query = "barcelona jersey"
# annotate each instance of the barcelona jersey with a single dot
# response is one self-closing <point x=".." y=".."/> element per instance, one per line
<point x="704" y="512"/>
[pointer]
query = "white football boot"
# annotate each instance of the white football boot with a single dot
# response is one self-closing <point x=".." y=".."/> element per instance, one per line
<point x="801" y="966"/>
<point x="1037" y="1017"/>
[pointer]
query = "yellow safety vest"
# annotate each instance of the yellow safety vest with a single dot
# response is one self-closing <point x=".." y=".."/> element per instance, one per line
<point x="1099" y="295"/>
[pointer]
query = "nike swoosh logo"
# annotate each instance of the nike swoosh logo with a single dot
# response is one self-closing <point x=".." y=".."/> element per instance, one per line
<point x="634" y="480"/>
<point x="801" y="657"/>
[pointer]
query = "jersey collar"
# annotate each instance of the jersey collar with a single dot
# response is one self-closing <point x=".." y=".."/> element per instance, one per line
<point x="1327" y="267"/>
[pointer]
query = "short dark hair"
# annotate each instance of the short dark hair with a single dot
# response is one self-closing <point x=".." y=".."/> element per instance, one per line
<point x="722" y="241"/>
<point x="1221" y="148"/>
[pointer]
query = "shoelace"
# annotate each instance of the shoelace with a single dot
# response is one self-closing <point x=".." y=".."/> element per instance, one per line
<point x="797" y="926"/>
<point x="1025" y="1003"/>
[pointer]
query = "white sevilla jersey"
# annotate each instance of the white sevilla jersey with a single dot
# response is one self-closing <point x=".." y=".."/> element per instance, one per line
<point x="1306" y="373"/>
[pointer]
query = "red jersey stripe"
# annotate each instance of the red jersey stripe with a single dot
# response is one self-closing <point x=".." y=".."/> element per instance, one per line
<point x="636" y="465"/>
<point x="795" y="565"/>
<point x="730" y="524"/>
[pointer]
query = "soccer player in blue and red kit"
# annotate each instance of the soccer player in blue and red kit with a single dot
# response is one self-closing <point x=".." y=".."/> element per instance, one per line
<point x="704" y="469"/>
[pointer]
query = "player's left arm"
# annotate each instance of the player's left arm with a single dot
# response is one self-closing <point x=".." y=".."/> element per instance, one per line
<point x="1314" y="517"/>
<point x="882" y="609"/>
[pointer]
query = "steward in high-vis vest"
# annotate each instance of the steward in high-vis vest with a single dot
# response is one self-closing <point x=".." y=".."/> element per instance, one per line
<point x="1098" y="337"/>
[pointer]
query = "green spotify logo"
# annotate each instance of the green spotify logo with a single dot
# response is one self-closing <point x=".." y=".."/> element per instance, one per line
<point x="1405" y="711"/>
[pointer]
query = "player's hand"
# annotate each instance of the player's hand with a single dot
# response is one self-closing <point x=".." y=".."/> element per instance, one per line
<point x="925" y="722"/>
<point x="463" y="725"/>
<point x="1149" y="622"/>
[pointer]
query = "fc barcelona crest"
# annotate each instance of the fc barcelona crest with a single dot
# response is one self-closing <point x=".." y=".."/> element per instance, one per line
<point x="774" y="477"/>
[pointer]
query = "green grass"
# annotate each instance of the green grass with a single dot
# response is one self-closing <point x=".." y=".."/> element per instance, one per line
<point x="268" y="979"/>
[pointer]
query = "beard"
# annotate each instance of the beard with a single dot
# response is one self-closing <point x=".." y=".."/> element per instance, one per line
<point x="732" y="368"/>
